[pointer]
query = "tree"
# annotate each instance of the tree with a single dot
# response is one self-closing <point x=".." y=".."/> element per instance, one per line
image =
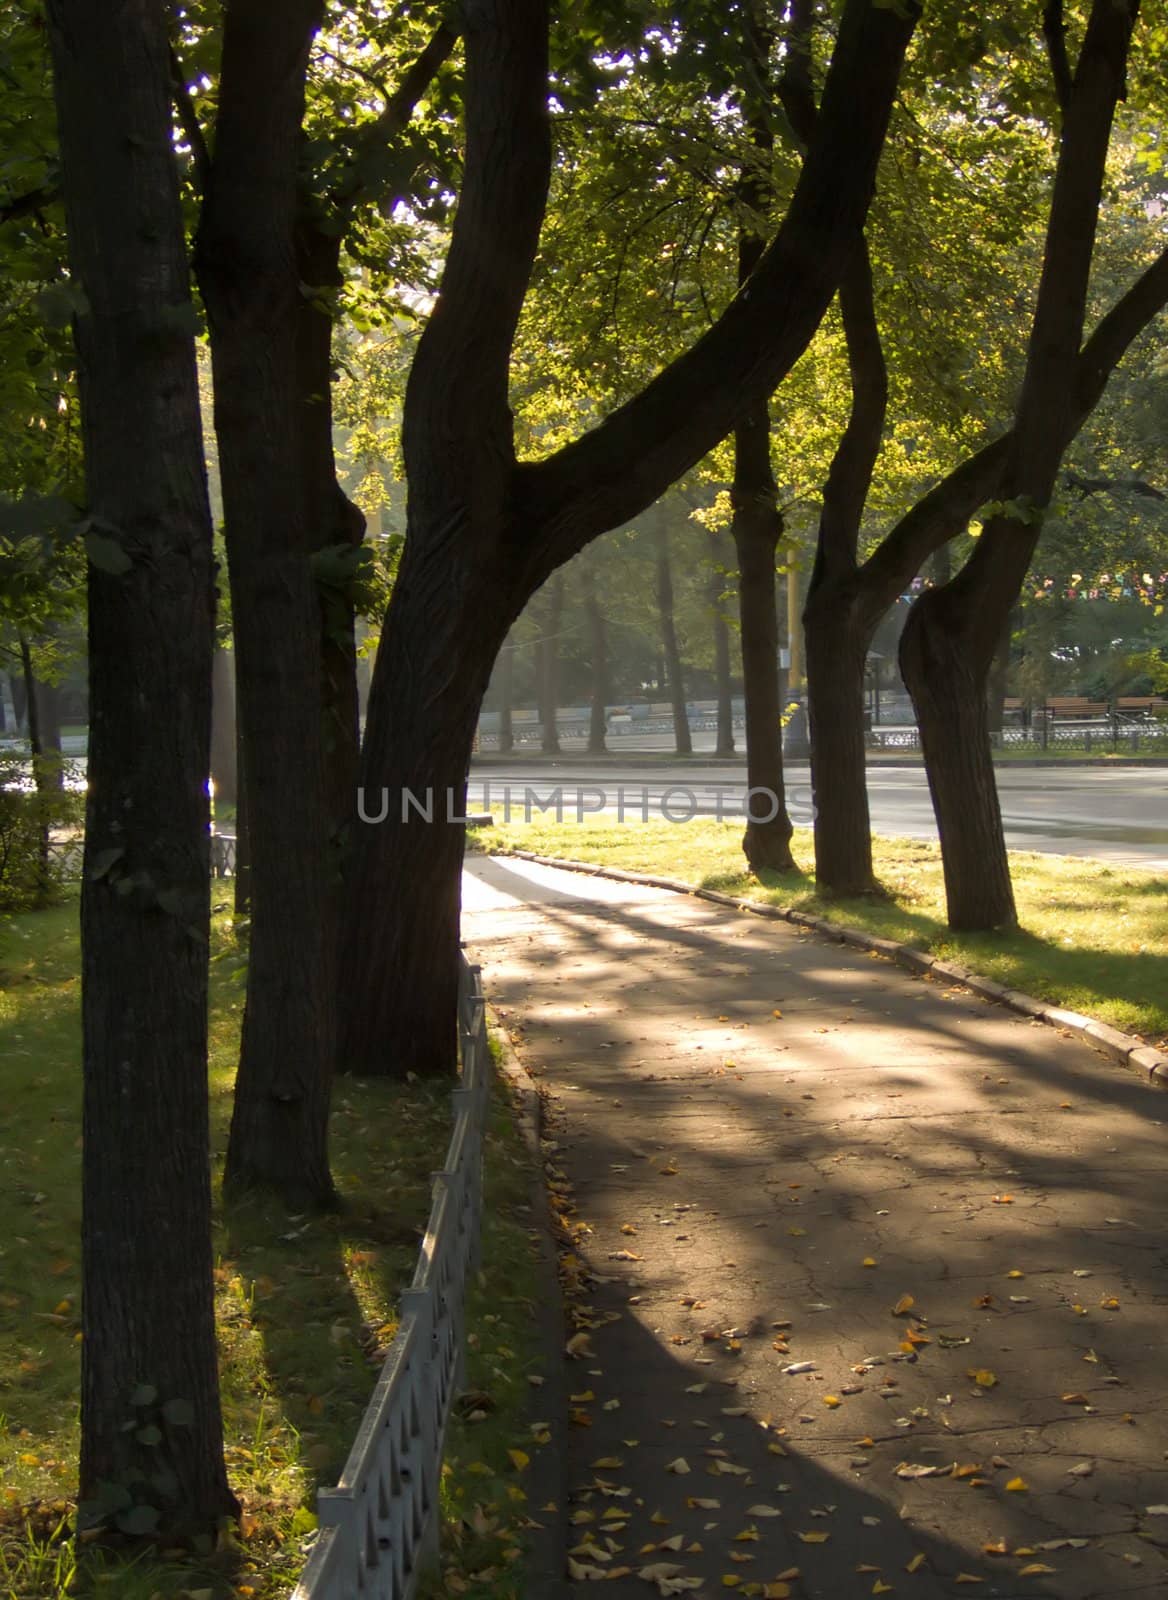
<point x="485" y="530"/>
<point x="953" y="630"/>
<point x="674" y="670"/>
<point x="148" y="1354"/>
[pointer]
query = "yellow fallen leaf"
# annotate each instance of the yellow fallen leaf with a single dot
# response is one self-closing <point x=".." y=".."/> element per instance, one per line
<point x="680" y="1465"/>
<point x="1014" y="1273"/>
<point x="730" y="1580"/>
<point x="967" y="1577"/>
<point x="1017" y="1486"/>
<point x="996" y="1547"/>
<point x="865" y="1443"/>
<point x="815" y="1537"/>
<point x="519" y="1459"/>
<point x="905" y="1303"/>
<point x="832" y="1400"/>
<point x="868" y="1261"/>
<point x="696" y="1503"/>
<point x="578" y="1345"/>
<point x="880" y="1587"/>
<point x="917" y="1562"/>
<point x="607" y="1463"/>
<point x="983" y="1377"/>
<point x="659" y="1520"/>
<point x="674" y="1542"/>
<point x="747" y="1536"/>
<point x="789" y="1574"/>
<point x="1035" y="1569"/>
<point x="776" y="1591"/>
<point x="1109" y="1303"/>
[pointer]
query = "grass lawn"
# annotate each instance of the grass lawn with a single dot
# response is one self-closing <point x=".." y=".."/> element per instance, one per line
<point x="1093" y="937"/>
<point x="306" y="1305"/>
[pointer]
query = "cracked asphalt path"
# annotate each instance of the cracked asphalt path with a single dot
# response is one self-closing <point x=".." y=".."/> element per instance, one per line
<point x="769" y="1142"/>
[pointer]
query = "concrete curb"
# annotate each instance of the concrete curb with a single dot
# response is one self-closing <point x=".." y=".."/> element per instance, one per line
<point x="1124" y="1048"/>
<point x="546" y="1559"/>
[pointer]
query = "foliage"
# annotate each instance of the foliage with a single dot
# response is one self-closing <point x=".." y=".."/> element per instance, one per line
<point x="27" y="816"/>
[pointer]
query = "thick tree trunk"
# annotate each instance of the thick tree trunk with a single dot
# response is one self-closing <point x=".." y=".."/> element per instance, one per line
<point x="414" y="766"/>
<point x="224" y="763"/>
<point x="148" y="1354"/>
<point x="249" y="274"/>
<point x="682" y="739"/>
<point x="947" y="684"/>
<point x="597" y="634"/>
<point x="836" y="642"/>
<point x="757" y="529"/>
<point x="547" y="666"/>
<point x="723" y="685"/>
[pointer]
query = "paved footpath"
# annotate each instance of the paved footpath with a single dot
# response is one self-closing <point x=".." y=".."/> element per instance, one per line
<point x="876" y="1272"/>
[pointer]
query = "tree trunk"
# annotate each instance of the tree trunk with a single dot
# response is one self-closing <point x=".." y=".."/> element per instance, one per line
<point x="224" y="766"/>
<point x="506" y="679"/>
<point x="682" y="739"/>
<point x="598" y="718"/>
<point x="414" y="823"/>
<point x="947" y="685"/>
<point x="724" y="737"/>
<point x="148" y="1353"/>
<point x="757" y="529"/>
<point x="547" y="666"/>
<point x="274" y="519"/>
<point x="836" y="642"/>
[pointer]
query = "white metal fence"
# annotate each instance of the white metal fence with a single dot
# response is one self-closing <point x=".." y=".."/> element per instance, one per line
<point x="379" y="1526"/>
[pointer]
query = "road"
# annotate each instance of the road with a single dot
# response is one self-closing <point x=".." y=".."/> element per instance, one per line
<point x="1115" y="814"/>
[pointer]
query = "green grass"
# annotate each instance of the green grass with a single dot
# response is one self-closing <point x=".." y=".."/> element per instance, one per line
<point x="306" y="1306"/>
<point x="1092" y="937"/>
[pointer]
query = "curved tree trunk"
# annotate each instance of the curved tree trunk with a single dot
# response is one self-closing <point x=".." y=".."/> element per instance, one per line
<point x="998" y="680"/>
<point x="947" y="684"/>
<point x="682" y="739"/>
<point x="148" y="1351"/>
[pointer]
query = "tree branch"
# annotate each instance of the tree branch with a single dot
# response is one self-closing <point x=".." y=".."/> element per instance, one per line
<point x="1054" y="32"/>
<point x="794" y="87"/>
<point x="395" y="116"/>
<point x="945" y="511"/>
<point x="624" y="464"/>
<point x="188" y="120"/>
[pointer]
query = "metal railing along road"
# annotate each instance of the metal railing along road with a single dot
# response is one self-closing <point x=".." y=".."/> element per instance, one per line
<point x="378" y="1529"/>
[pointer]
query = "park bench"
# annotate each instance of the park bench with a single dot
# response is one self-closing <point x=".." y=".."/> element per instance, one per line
<point x="1076" y="706"/>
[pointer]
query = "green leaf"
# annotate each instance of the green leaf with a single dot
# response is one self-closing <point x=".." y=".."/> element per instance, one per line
<point x="145" y="1394"/>
<point x="149" y="1435"/>
<point x="179" y="1413"/>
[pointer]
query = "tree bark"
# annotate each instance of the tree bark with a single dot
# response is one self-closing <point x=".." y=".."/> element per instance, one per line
<point x="547" y="667"/>
<point x="951" y="634"/>
<point x="148" y="1352"/>
<point x="249" y="273"/>
<point x="477" y="518"/>
<point x="675" y="672"/>
<point x="998" y="679"/>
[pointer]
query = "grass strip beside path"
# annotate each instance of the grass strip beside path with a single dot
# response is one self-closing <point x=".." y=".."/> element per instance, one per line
<point x="306" y="1305"/>
<point x="1093" y="937"/>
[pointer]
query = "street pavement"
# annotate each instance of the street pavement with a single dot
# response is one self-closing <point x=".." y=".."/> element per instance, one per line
<point x="1118" y="814"/>
<point x="872" y="1274"/>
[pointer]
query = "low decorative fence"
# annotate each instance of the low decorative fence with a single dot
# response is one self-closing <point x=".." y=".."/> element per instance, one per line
<point x="1106" y="736"/>
<point x="379" y="1527"/>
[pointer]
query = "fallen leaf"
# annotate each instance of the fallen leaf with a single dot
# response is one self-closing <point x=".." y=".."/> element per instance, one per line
<point x="1017" y="1485"/>
<point x="1034" y="1569"/>
<point x="983" y="1377"/>
<point x="519" y="1459"/>
<point x="1109" y="1303"/>
<point x="608" y="1463"/>
<point x="762" y="1511"/>
<point x="868" y="1261"/>
<point x="832" y="1400"/>
<point x="679" y="1466"/>
<point x="996" y="1547"/>
<point x="815" y="1537"/>
<point x="917" y="1562"/>
<point x="905" y="1303"/>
